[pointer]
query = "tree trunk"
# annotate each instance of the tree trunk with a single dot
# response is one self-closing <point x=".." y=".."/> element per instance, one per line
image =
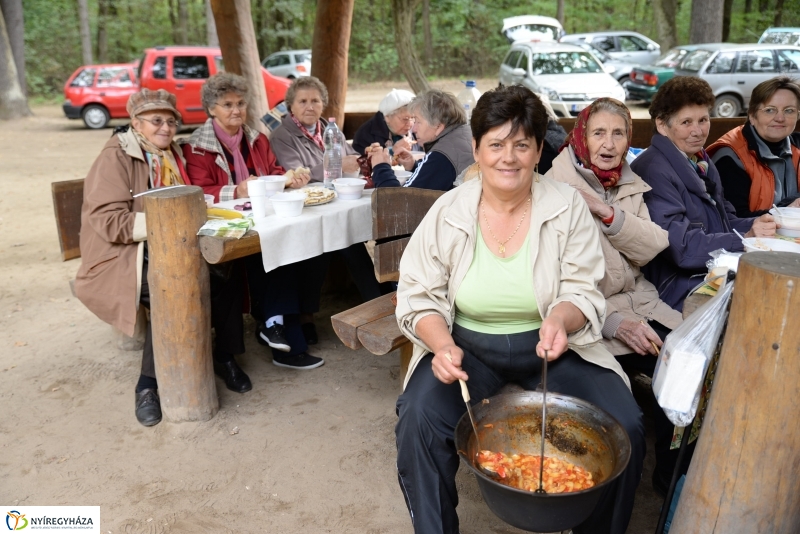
<point x="237" y="40"/>
<point x="706" y="21"/>
<point x="86" y="32"/>
<point x="426" y="27"/>
<point x="763" y="6"/>
<point x="778" y="13"/>
<point x="329" y="50"/>
<point x="727" y="10"/>
<point x="15" y="26"/>
<point x="13" y="103"/>
<point x="403" y="11"/>
<point x="664" y="12"/>
<point x="106" y="11"/>
<point x="211" y="26"/>
<point x="183" y="22"/>
<point x="748" y="6"/>
<point x="560" y="11"/>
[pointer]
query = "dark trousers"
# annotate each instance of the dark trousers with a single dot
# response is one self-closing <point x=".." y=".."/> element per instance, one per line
<point x="666" y="458"/>
<point x="227" y="299"/>
<point x="429" y="410"/>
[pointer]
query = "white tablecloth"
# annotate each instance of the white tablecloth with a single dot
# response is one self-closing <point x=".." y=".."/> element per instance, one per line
<point x="318" y="229"/>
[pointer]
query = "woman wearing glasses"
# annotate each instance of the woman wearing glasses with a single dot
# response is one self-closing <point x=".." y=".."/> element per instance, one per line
<point x="112" y="278"/>
<point x="758" y="162"/>
<point x="224" y="153"/>
<point x="390" y="127"/>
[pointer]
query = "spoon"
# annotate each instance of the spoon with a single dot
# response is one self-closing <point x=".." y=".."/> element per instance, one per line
<point x="544" y="420"/>
<point x="740" y="235"/>
<point x="465" y="396"/>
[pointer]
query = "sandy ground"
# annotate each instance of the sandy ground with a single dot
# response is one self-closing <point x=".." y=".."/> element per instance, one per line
<point x="314" y="450"/>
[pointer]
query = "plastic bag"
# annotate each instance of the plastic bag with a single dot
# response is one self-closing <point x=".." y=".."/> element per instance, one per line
<point x="684" y="358"/>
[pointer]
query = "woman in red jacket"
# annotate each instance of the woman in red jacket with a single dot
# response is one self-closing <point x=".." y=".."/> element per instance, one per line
<point x="222" y="156"/>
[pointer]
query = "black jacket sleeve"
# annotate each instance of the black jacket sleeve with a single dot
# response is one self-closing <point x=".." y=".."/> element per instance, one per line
<point x="361" y="140"/>
<point x="736" y="187"/>
<point x="434" y="171"/>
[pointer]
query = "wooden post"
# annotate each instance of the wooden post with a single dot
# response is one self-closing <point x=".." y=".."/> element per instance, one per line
<point x="237" y="40"/>
<point x="180" y="304"/>
<point x="329" y="50"/>
<point x="745" y="474"/>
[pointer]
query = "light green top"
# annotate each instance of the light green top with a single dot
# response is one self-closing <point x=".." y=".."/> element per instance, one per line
<point x="496" y="296"/>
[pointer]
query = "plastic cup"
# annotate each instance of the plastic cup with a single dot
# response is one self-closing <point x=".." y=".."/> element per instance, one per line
<point x="259" y="206"/>
<point x="256" y="188"/>
<point x="209" y="200"/>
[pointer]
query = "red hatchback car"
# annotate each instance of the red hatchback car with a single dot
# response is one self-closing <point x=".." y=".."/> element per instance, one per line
<point x="99" y="93"/>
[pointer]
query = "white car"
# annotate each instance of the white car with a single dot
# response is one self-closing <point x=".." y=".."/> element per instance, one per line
<point x="289" y="63"/>
<point x="627" y="46"/>
<point x="531" y="28"/>
<point x="571" y="77"/>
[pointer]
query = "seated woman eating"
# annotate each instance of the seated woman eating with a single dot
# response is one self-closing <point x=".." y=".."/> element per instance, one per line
<point x="222" y="156"/>
<point x="390" y="127"/>
<point x="440" y="124"/>
<point x="637" y="321"/>
<point x="686" y="197"/>
<point x="759" y="162"/>
<point x="501" y="272"/>
<point x="112" y="278"/>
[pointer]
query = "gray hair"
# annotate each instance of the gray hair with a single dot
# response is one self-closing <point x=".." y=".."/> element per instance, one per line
<point x="306" y="82"/>
<point x="615" y="107"/>
<point x="438" y="107"/>
<point x="220" y="85"/>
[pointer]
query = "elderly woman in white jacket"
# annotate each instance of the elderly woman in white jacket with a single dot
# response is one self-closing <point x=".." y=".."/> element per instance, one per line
<point x="503" y="271"/>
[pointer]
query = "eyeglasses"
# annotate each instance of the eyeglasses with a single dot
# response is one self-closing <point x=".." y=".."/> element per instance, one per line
<point x="406" y="119"/>
<point x="229" y="106"/>
<point x="773" y="111"/>
<point x="158" y="122"/>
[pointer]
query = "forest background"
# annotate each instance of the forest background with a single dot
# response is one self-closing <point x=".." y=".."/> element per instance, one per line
<point x="452" y="37"/>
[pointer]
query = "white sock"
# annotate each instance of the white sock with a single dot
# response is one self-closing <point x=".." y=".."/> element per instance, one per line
<point x="275" y="319"/>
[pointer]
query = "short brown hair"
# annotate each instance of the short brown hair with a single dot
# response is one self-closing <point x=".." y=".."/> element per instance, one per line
<point x="220" y="85"/>
<point x="764" y="91"/>
<point x="306" y="82"/>
<point x="676" y="94"/>
<point x="513" y="104"/>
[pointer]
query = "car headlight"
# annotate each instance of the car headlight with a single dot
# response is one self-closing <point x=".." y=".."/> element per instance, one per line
<point x="551" y="94"/>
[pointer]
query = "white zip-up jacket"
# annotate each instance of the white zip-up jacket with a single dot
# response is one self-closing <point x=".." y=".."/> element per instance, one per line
<point x="565" y="253"/>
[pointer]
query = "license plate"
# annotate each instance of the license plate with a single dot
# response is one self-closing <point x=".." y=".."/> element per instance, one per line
<point x="577" y="107"/>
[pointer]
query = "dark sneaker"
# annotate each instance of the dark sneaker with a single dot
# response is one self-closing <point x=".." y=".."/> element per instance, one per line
<point x="274" y="336"/>
<point x="302" y="361"/>
<point x="310" y="333"/>
<point x="148" y="407"/>
<point x="235" y="379"/>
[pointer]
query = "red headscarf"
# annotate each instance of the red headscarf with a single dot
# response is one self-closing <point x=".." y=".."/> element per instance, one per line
<point x="577" y="140"/>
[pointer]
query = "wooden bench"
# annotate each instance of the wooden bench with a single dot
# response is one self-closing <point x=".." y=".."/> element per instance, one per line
<point x="396" y="213"/>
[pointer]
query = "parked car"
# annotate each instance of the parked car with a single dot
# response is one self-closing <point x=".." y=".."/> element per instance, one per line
<point x="99" y="93"/>
<point x="733" y="71"/>
<point x="568" y="75"/>
<point x="289" y="63"/>
<point x="788" y="36"/>
<point x="182" y="70"/>
<point x="645" y="80"/>
<point x="619" y="69"/>
<point x="628" y="46"/>
<point x="532" y="28"/>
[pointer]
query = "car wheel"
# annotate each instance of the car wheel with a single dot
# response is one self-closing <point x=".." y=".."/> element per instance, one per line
<point x="290" y="77"/>
<point x="622" y="82"/>
<point x="95" y="117"/>
<point x="726" y="106"/>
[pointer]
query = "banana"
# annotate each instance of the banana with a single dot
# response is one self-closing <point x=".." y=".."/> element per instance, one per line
<point x="222" y="213"/>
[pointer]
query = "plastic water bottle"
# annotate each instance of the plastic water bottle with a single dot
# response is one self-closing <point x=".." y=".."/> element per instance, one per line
<point x="333" y="140"/>
<point x="469" y="97"/>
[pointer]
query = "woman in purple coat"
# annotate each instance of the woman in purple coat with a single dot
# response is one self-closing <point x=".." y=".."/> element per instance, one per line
<point x="686" y="197"/>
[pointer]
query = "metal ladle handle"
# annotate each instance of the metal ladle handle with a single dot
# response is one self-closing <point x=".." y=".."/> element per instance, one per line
<point x="544" y="421"/>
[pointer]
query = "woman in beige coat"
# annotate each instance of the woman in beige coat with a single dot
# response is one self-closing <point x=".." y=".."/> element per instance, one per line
<point x="593" y="162"/>
<point x="501" y="272"/>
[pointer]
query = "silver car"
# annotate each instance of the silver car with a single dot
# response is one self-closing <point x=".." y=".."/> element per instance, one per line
<point x="733" y="71"/>
<point x="627" y="46"/>
<point x="569" y="76"/>
<point x="289" y="63"/>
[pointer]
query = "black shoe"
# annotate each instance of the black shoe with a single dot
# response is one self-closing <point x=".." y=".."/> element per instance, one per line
<point x="235" y="379"/>
<point x="310" y="333"/>
<point x="148" y="407"/>
<point x="274" y="336"/>
<point x="302" y="361"/>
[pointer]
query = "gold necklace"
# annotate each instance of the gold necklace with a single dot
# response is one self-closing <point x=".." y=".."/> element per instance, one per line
<point x="502" y="248"/>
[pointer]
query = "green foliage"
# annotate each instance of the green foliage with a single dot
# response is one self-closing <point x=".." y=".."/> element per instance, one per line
<point x="466" y="39"/>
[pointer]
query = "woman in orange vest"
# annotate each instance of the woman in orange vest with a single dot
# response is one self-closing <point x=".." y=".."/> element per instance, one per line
<point x="759" y="162"/>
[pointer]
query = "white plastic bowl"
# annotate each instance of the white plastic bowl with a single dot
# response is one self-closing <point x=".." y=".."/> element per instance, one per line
<point x="288" y="204"/>
<point x="402" y="176"/>
<point x="788" y="232"/>
<point x="275" y="184"/>
<point x="765" y="244"/>
<point x="787" y="217"/>
<point x="349" y="188"/>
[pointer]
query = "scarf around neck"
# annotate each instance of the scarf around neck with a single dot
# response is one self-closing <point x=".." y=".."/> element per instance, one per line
<point x="233" y="144"/>
<point x="316" y="137"/>
<point x="161" y="163"/>
<point x="577" y="140"/>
